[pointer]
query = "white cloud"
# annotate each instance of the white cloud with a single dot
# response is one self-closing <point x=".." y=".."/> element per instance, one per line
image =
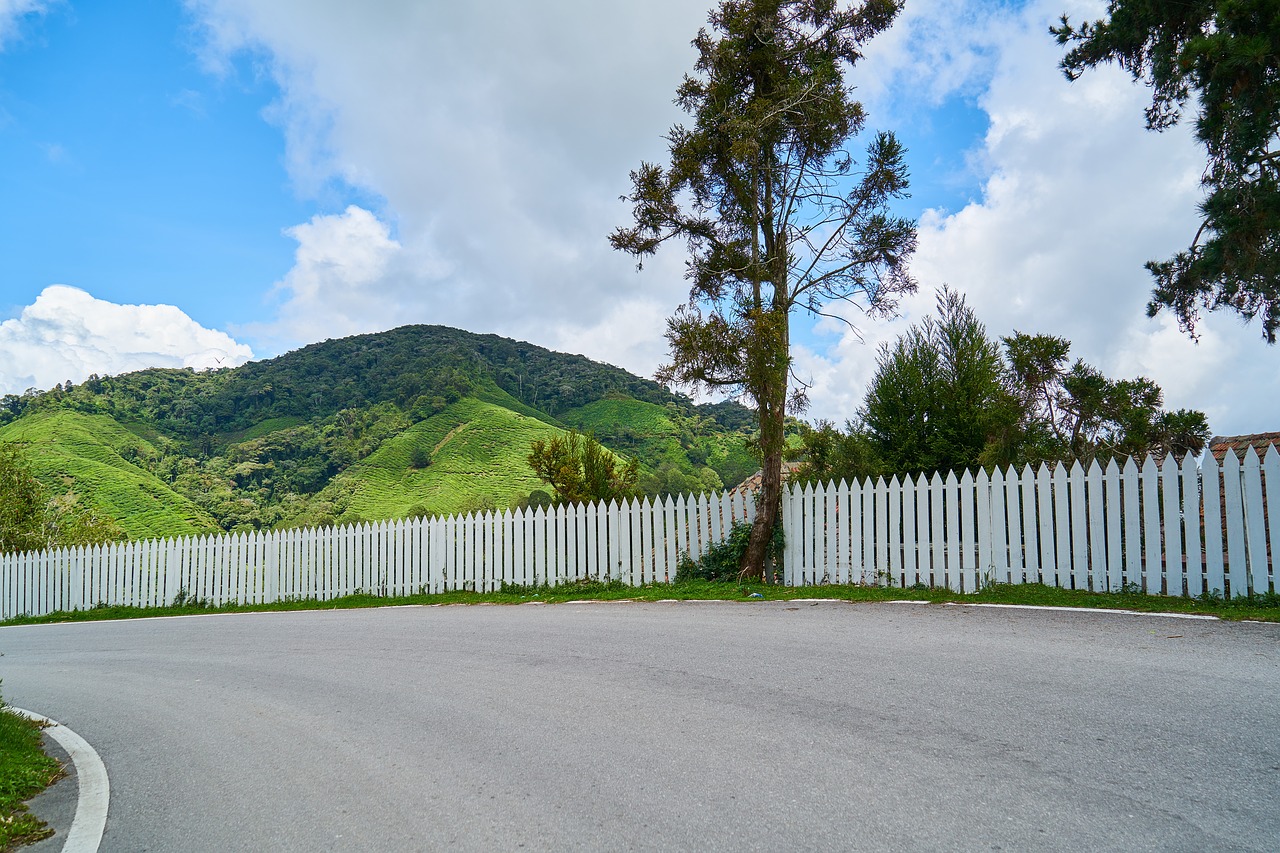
<point x="500" y="137"/>
<point x="68" y="334"/>
<point x="11" y="14"/>
<point x="1079" y="196"/>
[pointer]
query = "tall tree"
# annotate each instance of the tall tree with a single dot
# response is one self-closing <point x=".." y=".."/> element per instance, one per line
<point x="775" y="215"/>
<point x="1224" y="54"/>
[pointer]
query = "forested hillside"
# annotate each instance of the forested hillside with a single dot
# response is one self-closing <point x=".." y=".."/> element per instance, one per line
<point x="417" y="420"/>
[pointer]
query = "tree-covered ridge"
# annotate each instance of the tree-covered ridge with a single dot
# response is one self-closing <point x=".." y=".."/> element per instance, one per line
<point x="418" y="420"/>
<point x="421" y="369"/>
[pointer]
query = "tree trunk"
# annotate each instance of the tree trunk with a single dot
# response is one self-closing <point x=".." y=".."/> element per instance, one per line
<point x="771" y="367"/>
<point x="767" y="505"/>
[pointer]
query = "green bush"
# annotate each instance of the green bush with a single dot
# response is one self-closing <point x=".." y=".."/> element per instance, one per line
<point x="722" y="561"/>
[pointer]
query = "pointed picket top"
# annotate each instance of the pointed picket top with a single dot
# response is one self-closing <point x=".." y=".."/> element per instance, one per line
<point x="540" y="515"/>
<point x="1095" y="467"/>
<point x="967" y="479"/>
<point x="951" y="480"/>
<point x="880" y="483"/>
<point x="984" y="479"/>
<point x="1112" y="470"/>
<point x="935" y="481"/>
<point x="1272" y="457"/>
<point x="1170" y="466"/>
<point x="1252" y="462"/>
<point x="1130" y="467"/>
<point x="1231" y="466"/>
<point x="1149" y="466"/>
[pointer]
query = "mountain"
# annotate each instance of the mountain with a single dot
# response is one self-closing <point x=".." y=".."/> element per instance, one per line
<point x="420" y="419"/>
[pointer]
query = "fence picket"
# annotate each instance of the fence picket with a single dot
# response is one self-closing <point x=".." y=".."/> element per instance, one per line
<point x="1172" y="527"/>
<point x="1233" y="509"/>
<point x="1255" y="532"/>
<point x="1271" y="479"/>
<point x="1044" y="520"/>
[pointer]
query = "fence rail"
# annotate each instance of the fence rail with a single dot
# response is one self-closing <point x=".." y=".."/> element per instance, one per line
<point x="1180" y="528"/>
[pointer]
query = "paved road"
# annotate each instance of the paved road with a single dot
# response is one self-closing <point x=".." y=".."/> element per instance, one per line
<point x="762" y="726"/>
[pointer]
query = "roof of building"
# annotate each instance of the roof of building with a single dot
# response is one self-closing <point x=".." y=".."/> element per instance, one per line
<point x="755" y="482"/>
<point x="1259" y="441"/>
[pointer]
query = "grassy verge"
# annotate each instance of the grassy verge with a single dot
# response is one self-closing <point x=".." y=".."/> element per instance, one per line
<point x="1263" y="608"/>
<point x="24" y="772"/>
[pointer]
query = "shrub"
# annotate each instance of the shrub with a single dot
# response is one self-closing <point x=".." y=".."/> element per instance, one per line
<point x="722" y="561"/>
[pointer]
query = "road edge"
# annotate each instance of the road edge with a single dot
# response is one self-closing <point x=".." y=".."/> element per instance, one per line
<point x="90" y="821"/>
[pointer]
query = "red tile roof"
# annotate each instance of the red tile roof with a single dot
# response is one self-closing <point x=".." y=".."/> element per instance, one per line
<point x="1259" y="441"/>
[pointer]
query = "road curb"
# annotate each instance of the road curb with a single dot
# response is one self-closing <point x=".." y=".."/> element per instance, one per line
<point x="90" y="821"/>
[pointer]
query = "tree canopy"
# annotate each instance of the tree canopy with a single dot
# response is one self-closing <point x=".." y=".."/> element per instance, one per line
<point x="774" y="212"/>
<point x="938" y="398"/>
<point x="1225" y="56"/>
<point x="946" y="396"/>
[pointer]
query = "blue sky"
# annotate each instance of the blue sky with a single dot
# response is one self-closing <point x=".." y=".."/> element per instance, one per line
<point x="287" y="171"/>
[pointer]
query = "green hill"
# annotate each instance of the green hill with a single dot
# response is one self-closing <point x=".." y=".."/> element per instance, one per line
<point x="345" y="429"/>
<point x="103" y="463"/>
<point x="678" y="446"/>
<point x="470" y="456"/>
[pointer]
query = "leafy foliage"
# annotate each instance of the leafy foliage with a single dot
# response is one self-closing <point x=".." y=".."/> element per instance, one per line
<point x="1226" y="55"/>
<point x="1077" y="413"/>
<point x="768" y="202"/>
<point x="581" y="470"/>
<point x="938" y="399"/>
<point x="947" y="397"/>
<point x="30" y="520"/>
<point x="828" y="455"/>
<point x="722" y="561"/>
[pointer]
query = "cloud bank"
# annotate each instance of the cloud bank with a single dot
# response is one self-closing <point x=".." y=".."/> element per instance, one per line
<point x="497" y="138"/>
<point x="68" y="334"/>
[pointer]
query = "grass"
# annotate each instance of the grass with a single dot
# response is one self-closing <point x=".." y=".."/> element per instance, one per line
<point x="479" y="454"/>
<point x="91" y="455"/>
<point x="1262" y="608"/>
<point x="24" y="772"/>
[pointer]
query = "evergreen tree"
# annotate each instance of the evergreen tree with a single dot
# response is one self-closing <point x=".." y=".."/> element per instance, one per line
<point x="775" y="216"/>
<point x="938" y="401"/>
<point x="1224" y="55"/>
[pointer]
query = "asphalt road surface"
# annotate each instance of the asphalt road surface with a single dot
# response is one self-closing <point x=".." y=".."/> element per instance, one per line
<point x="715" y="726"/>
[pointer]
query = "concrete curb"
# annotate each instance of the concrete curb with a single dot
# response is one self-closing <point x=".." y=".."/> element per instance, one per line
<point x="90" y="821"/>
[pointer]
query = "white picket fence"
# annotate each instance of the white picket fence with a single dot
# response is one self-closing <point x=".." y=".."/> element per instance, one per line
<point x="1182" y="528"/>
<point x="636" y="542"/>
<point x="1177" y="529"/>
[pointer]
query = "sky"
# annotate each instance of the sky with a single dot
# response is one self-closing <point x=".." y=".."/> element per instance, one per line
<point x="207" y="182"/>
